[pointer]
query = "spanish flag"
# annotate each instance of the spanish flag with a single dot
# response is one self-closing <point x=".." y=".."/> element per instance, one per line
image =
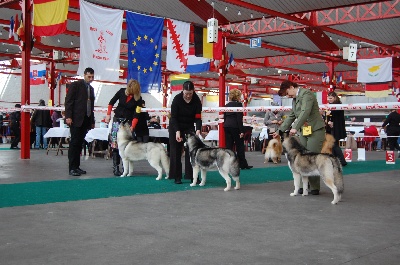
<point x="203" y="48"/>
<point x="49" y="17"/>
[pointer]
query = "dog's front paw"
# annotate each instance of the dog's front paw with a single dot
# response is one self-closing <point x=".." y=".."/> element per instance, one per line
<point x="167" y="177"/>
<point x="158" y="178"/>
<point x="294" y="193"/>
<point x="305" y="192"/>
<point x="202" y="184"/>
<point x="227" y="189"/>
<point x="192" y="184"/>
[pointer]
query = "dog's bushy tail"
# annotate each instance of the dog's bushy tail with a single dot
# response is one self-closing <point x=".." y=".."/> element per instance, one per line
<point x="337" y="174"/>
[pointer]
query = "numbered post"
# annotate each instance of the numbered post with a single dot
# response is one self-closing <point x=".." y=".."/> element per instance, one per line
<point x="361" y="154"/>
<point x="390" y="157"/>
<point x="348" y="155"/>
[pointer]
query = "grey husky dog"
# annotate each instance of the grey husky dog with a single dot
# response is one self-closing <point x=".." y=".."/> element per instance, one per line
<point x="131" y="150"/>
<point x="204" y="157"/>
<point x="305" y="164"/>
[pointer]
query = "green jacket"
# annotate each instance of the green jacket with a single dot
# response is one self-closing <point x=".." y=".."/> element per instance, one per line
<point x="304" y="109"/>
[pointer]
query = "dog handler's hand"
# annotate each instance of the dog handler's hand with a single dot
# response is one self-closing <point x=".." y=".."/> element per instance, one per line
<point x="178" y="136"/>
<point x="198" y="132"/>
<point x="68" y="121"/>
<point x="107" y="119"/>
<point x="292" y="132"/>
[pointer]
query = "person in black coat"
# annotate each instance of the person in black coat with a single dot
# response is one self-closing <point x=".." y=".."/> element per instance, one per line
<point x="393" y="129"/>
<point x="129" y="109"/>
<point x="41" y="120"/>
<point x="185" y="111"/>
<point x="142" y="130"/>
<point x="335" y="125"/>
<point x="15" y="119"/>
<point x="79" y="116"/>
<point x="234" y="129"/>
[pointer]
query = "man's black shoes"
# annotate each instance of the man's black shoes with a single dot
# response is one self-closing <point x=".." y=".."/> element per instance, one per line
<point x="81" y="171"/>
<point x="178" y="181"/>
<point x="74" y="173"/>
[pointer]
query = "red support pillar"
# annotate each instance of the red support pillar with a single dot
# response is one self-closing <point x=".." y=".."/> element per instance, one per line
<point x="25" y="81"/>
<point x="222" y="87"/>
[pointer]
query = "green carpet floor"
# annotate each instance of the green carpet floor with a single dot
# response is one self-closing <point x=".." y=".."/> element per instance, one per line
<point x="31" y="193"/>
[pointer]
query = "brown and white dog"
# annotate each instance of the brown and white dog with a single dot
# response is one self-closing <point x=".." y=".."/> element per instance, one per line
<point x="274" y="150"/>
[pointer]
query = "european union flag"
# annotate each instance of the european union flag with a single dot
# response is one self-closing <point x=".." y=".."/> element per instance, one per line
<point x="144" y="50"/>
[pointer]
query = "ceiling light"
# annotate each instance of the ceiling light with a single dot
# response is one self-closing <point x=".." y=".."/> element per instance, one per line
<point x="322" y="35"/>
<point x="72" y="43"/>
<point x="251" y="15"/>
<point x="313" y="31"/>
<point x="304" y="29"/>
<point x="58" y="40"/>
<point x="330" y="38"/>
<point x="239" y="14"/>
<point x="263" y="17"/>
<point x="226" y="8"/>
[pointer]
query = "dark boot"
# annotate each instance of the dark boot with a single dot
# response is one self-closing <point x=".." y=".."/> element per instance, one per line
<point x="337" y="152"/>
<point x="116" y="161"/>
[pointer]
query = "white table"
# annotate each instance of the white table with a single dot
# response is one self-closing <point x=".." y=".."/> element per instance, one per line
<point x="159" y="133"/>
<point x="57" y="132"/>
<point x="212" y="135"/>
<point x="98" y="134"/>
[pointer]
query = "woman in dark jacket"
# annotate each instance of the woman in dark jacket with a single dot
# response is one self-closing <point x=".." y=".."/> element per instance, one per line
<point x="142" y="130"/>
<point x="234" y="130"/>
<point x="129" y="107"/>
<point x="335" y="126"/>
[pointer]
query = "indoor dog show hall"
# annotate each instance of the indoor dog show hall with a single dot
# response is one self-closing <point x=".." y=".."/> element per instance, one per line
<point x="261" y="62"/>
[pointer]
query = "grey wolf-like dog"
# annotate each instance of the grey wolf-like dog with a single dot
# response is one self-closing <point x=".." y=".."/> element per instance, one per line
<point x="203" y="158"/>
<point x="304" y="164"/>
<point x="131" y="150"/>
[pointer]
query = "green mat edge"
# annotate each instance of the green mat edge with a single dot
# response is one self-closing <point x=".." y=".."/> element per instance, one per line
<point x="32" y="193"/>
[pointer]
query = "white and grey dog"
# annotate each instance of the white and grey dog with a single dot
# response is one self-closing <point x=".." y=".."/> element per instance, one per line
<point x="204" y="157"/>
<point x="304" y="164"/>
<point x="131" y="150"/>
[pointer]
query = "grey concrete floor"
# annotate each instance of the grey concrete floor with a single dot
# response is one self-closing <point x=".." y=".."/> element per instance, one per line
<point x="260" y="224"/>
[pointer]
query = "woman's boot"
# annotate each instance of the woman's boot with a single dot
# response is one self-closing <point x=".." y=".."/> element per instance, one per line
<point x="116" y="161"/>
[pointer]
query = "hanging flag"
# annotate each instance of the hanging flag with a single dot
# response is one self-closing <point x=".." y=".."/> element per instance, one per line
<point x="334" y="78"/>
<point x="377" y="90"/>
<point x="49" y="17"/>
<point x="197" y="64"/>
<point x="11" y="30"/>
<point x="37" y="74"/>
<point x="324" y="78"/>
<point x="15" y="28"/>
<point x="205" y="49"/>
<point x="177" y="45"/>
<point x="100" y="31"/>
<point x="322" y="97"/>
<point x="231" y="63"/>
<point x="177" y="81"/>
<point x="144" y="50"/>
<point x="339" y="79"/>
<point x="374" y="70"/>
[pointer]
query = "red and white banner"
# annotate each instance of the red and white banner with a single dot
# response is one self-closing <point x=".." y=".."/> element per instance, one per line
<point x="100" y="31"/>
<point x="177" y="45"/>
<point x="375" y="70"/>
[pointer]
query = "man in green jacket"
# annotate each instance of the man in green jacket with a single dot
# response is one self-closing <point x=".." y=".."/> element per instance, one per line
<point x="304" y="120"/>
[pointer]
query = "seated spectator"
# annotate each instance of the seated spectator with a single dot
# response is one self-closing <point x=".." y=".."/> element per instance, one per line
<point x="154" y="123"/>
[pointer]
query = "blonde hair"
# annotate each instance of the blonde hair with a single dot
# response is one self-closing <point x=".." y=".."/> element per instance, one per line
<point x="235" y="95"/>
<point x="133" y="88"/>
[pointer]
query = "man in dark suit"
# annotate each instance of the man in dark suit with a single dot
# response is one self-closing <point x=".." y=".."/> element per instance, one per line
<point x="79" y="116"/>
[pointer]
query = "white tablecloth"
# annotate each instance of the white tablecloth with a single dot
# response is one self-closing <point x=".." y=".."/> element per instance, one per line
<point x="97" y="134"/>
<point x="212" y="135"/>
<point x="57" y="132"/>
<point x="158" y="133"/>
